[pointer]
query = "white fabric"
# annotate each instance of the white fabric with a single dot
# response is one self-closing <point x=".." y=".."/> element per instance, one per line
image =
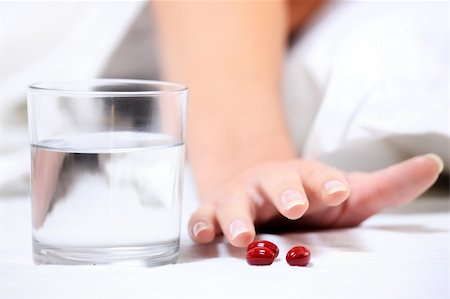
<point x="45" y="41"/>
<point x="361" y="72"/>
<point x="369" y="70"/>
<point x="401" y="254"/>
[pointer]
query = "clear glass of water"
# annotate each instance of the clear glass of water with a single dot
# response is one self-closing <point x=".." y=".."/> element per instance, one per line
<point x="107" y="170"/>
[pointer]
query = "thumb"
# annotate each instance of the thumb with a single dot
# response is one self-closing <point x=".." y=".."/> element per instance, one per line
<point x="392" y="186"/>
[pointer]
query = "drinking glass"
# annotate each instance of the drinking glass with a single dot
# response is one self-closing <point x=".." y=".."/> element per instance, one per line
<point x="106" y="171"/>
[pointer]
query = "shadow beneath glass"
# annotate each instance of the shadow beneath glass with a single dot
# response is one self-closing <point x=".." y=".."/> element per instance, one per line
<point x="219" y="248"/>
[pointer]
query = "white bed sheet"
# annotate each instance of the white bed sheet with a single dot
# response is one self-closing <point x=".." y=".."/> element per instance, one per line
<point x="402" y="253"/>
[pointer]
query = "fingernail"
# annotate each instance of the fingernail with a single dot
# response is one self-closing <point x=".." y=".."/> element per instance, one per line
<point x="436" y="159"/>
<point x="291" y="198"/>
<point x="237" y="227"/>
<point x="198" y="227"/>
<point x="334" y="186"/>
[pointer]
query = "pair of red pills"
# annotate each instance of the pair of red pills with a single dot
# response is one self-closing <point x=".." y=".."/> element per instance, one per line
<point x="263" y="253"/>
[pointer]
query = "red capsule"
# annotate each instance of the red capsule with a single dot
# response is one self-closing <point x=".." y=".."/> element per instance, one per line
<point x="298" y="256"/>
<point x="260" y="256"/>
<point x="264" y="243"/>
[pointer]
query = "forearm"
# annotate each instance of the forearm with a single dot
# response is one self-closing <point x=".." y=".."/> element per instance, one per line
<point x="230" y="56"/>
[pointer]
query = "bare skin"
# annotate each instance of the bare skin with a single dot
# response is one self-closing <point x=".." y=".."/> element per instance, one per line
<point x="45" y="183"/>
<point x="245" y="165"/>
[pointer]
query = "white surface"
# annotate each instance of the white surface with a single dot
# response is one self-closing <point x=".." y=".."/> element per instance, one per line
<point x="363" y="70"/>
<point x="400" y="254"/>
<point x="392" y="255"/>
<point x="50" y="41"/>
<point x="368" y="70"/>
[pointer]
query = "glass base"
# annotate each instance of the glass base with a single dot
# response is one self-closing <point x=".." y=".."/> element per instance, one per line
<point x="149" y="255"/>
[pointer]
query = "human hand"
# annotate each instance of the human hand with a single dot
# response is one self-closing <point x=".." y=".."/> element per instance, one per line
<point x="47" y="166"/>
<point x="309" y="192"/>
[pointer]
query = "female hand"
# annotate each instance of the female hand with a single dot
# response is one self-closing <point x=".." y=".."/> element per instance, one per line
<point x="312" y="194"/>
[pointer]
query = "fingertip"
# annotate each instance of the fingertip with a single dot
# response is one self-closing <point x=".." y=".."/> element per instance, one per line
<point x="202" y="225"/>
<point x="439" y="164"/>
<point x="202" y="232"/>
<point x="206" y="236"/>
<point x="335" y="192"/>
<point x="243" y="239"/>
<point x="293" y="204"/>
<point x="336" y="198"/>
<point x="296" y="212"/>
<point x="241" y="232"/>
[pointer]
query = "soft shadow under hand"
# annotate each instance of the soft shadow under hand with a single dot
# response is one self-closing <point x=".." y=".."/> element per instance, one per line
<point x="193" y="252"/>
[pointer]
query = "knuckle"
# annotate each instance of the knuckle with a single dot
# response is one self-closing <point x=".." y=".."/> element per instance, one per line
<point x="228" y="195"/>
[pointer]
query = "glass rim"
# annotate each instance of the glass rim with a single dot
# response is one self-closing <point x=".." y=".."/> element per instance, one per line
<point x="57" y="87"/>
